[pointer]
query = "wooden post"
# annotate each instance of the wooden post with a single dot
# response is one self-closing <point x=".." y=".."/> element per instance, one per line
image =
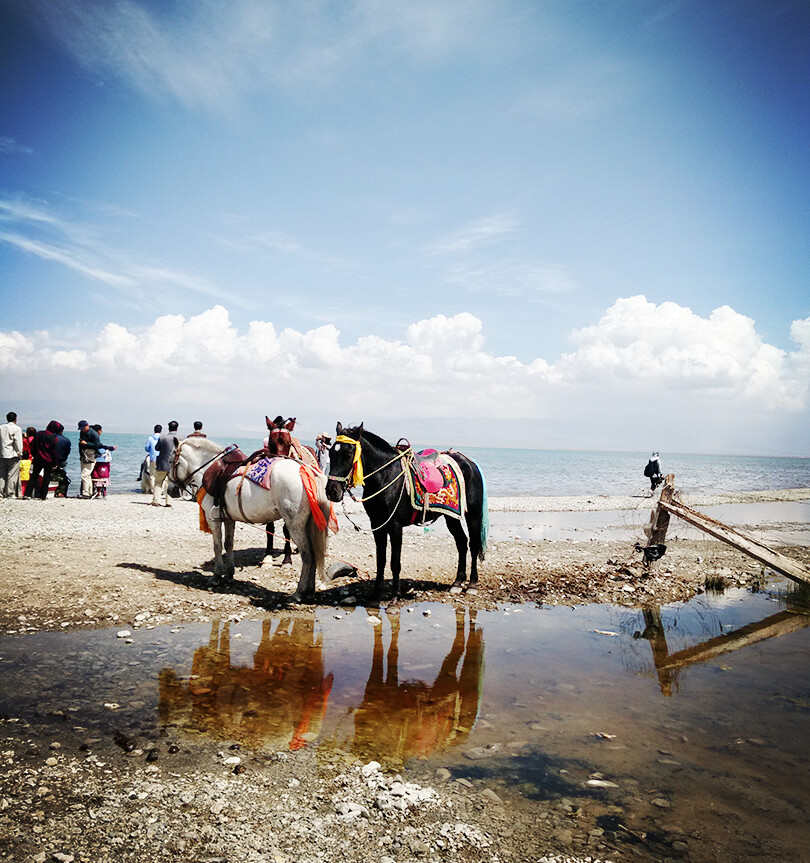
<point x="739" y="540"/>
<point x="660" y="518"/>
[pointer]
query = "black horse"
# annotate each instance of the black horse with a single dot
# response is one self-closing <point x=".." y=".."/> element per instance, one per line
<point x="388" y="504"/>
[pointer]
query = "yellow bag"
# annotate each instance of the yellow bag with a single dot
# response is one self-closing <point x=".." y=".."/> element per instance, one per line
<point x="25" y="469"/>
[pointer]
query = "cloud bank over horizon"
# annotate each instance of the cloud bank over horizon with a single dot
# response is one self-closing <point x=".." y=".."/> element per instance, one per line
<point x="641" y="366"/>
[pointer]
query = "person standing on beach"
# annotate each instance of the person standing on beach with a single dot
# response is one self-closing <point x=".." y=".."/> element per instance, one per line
<point x="62" y="447"/>
<point x="653" y="472"/>
<point x="198" y="432"/>
<point x="166" y="446"/>
<point x="43" y="452"/>
<point x="90" y="446"/>
<point x="151" y="455"/>
<point x="11" y="450"/>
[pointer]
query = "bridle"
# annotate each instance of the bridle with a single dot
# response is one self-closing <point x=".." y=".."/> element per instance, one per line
<point x="344" y="480"/>
<point x="176" y="459"/>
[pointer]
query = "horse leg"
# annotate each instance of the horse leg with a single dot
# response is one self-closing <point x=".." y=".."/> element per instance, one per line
<point x="381" y="543"/>
<point x="229" y="567"/>
<point x="474" y="521"/>
<point x="268" y="551"/>
<point x="216" y="533"/>
<point x="287" y="559"/>
<point x="396" y="557"/>
<point x="306" y="582"/>
<point x="457" y="532"/>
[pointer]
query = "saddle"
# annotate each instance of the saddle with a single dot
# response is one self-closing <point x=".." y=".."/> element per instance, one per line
<point x="220" y="471"/>
<point x="424" y="466"/>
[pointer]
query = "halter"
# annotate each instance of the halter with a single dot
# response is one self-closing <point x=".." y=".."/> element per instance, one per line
<point x="356" y="477"/>
<point x="176" y="459"/>
<point x="355" y="473"/>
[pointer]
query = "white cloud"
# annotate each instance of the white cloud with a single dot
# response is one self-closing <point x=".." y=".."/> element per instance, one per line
<point x="39" y="231"/>
<point x="209" y="54"/>
<point x="470" y="237"/>
<point x="638" y="358"/>
<point x="10" y="145"/>
<point x="670" y="346"/>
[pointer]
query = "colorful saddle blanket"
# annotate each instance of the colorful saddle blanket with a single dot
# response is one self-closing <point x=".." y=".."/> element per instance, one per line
<point x="259" y="472"/>
<point x="448" y="499"/>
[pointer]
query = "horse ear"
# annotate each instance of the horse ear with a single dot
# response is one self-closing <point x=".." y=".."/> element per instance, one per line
<point x="339" y="428"/>
<point x="269" y="422"/>
<point x="290" y="425"/>
<point x="359" y="431"/>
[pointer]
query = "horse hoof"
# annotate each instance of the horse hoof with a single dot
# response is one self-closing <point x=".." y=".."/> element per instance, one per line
<point x="293" y="599"/>
<point x="472" y="591"/>
<point x="455" y="589"/>
<point x="287" y="561"/>
<point x="266" y="561"/>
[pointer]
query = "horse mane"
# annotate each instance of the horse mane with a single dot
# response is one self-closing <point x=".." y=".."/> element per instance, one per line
<point x="204" y="443"/>
<point x="372" y="438"/>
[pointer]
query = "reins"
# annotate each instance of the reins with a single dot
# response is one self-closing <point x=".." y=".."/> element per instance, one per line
<point x="405" y="457"/>
<point x="176" y="459"/>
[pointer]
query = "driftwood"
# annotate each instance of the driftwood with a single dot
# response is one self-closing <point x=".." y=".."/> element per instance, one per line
<point x="733" y="537"/>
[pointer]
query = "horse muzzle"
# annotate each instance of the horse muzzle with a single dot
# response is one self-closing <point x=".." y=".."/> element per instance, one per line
<point x="335" y="489"/>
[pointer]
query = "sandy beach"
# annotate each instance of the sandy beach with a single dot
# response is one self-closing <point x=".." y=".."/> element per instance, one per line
<point x="72" y="565"/>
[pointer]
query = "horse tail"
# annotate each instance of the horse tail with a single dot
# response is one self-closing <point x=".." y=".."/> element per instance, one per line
<point x="317" y="539"/>
<point x="484" y="514"/>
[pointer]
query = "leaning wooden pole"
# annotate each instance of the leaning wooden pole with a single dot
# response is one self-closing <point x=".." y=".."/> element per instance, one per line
<point x="733" y="537"/>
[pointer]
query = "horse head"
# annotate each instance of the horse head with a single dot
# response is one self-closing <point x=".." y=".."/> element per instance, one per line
<point x="344" y="459"/>
<point x="279" y="441"/>
<point x="190" y="456"/>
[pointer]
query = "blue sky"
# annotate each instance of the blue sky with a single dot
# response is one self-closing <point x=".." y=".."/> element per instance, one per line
<point x="589" y="219"/>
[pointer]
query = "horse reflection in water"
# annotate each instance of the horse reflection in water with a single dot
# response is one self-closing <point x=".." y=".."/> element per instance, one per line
<point x="398" y="720"/>
<point x="281" y="701"/>
<point x="278" y="703"/>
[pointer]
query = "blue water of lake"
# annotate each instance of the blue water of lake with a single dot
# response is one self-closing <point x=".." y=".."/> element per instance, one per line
<point x="522" y="472"/>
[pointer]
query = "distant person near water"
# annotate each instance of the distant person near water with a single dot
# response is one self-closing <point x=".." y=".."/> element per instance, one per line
<point x="148" y="466"/>
<point x="166" y="446"/>
<point x="43" y="452"/>
<point x="198" y="432"/>
<point x="11" y="451"/>
<point x="90" y="447"/>
<point x="653" y="471"/>
<point x="62" y="447"/>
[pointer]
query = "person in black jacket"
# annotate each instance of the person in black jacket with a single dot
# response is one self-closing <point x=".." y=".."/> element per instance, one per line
<point x="62" y="447"/>
<point x="43" y="461"/>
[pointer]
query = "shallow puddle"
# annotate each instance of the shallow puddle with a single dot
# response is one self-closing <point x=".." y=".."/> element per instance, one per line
<point x="694" y="715"/>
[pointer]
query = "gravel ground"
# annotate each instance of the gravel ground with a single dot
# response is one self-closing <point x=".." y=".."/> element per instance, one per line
<point x="65" y="795"/>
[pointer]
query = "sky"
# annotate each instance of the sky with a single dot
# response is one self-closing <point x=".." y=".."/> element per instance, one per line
<point x="564" y="225"/>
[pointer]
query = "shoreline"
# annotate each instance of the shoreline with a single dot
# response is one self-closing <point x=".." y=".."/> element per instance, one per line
<point x="126" y="567"/>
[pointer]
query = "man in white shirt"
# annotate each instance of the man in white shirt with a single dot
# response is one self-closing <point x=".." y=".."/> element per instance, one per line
<point x="10" y="453"/>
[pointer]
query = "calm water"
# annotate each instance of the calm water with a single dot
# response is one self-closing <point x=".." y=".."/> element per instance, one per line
<point x="518" y="472"/>
<point x="701" y="704"/>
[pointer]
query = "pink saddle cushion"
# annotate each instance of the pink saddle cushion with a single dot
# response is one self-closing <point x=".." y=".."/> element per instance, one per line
<point x="429" y="476"/>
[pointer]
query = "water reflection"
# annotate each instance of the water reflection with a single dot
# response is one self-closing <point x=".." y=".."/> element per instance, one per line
<point x="280" y="702"/>
<point x="399" y="719"/>
<point x="668" y="665"/>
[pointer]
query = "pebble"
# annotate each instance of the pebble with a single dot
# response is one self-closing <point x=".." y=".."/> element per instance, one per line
<point x="123" y="633"/>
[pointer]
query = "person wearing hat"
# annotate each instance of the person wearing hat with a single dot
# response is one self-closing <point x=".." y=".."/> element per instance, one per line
<point x="322" y="444"/>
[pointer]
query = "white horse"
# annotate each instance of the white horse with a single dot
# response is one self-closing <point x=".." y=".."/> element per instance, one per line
<point x="245" y="501"/>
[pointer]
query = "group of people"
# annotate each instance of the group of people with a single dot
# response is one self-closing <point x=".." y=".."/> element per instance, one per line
<point x="31" y="461"/>
<point x="160" y="449"/>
